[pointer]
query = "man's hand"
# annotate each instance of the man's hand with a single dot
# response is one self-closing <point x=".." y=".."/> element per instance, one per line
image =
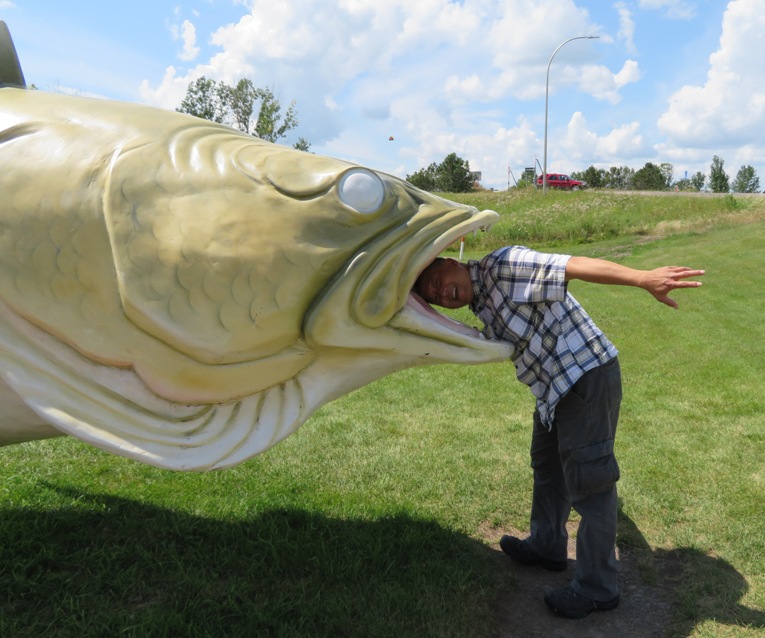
<point x="661" y="281"/>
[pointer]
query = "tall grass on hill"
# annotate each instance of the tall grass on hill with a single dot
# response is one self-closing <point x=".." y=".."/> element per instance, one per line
<point x="583" y="217"/>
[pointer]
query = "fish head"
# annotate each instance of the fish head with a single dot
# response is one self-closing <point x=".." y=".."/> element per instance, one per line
<point x="370" y="235"/>
<point x="278" y="249"/>
<point x="369" y="305"/>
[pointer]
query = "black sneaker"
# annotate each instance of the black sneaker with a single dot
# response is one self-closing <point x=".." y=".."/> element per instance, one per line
<point x="567" y="603"/>
<point x="520" y="552"/>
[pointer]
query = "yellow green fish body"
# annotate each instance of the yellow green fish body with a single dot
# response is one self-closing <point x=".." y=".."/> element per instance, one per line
<point x="186" y="295"/>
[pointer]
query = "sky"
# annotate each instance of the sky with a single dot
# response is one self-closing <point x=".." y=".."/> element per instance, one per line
<point x="675" y="81"/>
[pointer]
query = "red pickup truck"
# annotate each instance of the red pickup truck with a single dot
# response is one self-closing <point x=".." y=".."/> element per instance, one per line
<point x="559" y="180"/>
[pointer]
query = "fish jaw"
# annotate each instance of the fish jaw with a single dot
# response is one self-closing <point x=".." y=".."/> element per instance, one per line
<point x="376" y="286"/>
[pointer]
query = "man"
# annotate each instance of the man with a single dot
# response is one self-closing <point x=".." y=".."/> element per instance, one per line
<point x="573" y="371"/>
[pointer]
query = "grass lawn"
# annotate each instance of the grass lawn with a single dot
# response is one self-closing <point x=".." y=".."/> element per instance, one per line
<point x="377" y="516"/>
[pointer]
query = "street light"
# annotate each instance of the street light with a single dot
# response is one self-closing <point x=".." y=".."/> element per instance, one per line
<point x="547" y="93"/>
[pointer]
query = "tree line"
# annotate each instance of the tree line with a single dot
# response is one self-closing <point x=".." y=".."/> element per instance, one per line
<point x="453" y="175"/>
<point x="658" y="178"/>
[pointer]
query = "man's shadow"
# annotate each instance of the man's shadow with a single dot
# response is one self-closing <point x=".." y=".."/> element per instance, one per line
<point x="700" y="586"/>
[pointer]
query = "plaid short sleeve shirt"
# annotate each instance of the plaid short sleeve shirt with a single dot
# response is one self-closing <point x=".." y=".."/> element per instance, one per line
<point x="521" y="296"/>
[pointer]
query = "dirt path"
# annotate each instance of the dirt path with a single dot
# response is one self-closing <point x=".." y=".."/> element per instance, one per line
<point x="643" y="613"/>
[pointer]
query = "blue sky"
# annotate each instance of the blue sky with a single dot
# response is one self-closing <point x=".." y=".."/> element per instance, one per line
<point x="675" y="81"/>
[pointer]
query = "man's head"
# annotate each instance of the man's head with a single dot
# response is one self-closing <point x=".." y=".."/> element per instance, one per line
<point x="446" y="283"/>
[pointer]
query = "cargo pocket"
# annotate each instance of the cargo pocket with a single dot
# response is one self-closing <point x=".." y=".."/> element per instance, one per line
<point x="592" y="469"/>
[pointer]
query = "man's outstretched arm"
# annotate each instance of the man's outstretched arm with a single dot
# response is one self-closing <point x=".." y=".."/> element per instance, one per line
<point x="659" y="282"/>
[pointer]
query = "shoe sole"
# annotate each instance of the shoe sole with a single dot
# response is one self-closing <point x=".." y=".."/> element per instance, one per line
<point x="608" y="605"/>
<point x="549" y="565"/>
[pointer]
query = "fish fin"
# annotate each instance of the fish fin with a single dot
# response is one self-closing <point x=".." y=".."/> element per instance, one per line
<point x="10" y="69"/>
<point x="111" y="409"/>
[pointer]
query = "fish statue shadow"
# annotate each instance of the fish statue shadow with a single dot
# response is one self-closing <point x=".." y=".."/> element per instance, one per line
<point x="701" y="586"/>
<point x="97" y="564"/>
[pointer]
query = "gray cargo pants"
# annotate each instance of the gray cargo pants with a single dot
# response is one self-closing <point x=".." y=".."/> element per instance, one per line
<point x="574" y="466"/>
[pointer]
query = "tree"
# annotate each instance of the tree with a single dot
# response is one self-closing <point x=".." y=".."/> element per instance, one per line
<point x="528" y="178"/>
<point x="595" y="177"/>
<point x="718" y="178"/>
<point x="650" y="178"/>
<point x="302" y="144"/>
<point x="270" y="125"/>
<point x="666" y="169"/>
<point x="425" y="178"/>
<point x="452" y="176"/>
<point x="698" y="180"/>
<point x="746" y="180"/>
<point x="620" y="178"/>
<point x="236" y="106"/>
<point x="241" y="102"/>
<point x="203" y="99"/>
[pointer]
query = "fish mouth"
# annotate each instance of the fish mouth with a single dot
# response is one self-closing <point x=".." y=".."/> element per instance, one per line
<point x="370" y="305"/>
<point x="390" y="265"/>
<point x="454" y="340"/>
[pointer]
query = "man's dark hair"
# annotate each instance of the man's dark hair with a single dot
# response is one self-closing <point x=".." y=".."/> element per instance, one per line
<point x="420" y="278"/>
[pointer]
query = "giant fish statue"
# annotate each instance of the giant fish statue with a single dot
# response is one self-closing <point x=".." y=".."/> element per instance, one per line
<point x="183" y="294"/>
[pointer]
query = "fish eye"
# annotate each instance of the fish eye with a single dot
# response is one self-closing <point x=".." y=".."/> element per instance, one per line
<point x="362" y="190"/>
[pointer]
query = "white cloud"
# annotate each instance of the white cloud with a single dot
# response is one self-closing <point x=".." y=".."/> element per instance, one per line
<point x="492" y="152"/>
<point x="475" y="42"/>
<point x="676" y="9"/>
<point x="729" y="109"/>
<point x="170" y="91"/>
<point x="617" y="146"/>
<point x="626" y="27"/>
<point x="523" y="34"/>
<point x="602" y="84"/>
<point x="188" y="34"/>
<point x="465" y="87"/>
<point x="437" y="75"/>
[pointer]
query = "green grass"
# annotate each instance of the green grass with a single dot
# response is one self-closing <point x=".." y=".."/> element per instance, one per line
<point x="692" y="444"/>
<point x="377" y="518"/>
<point x="584" y="217"/>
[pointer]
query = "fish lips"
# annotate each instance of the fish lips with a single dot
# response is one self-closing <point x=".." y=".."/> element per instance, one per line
<point x="383" y="312"/>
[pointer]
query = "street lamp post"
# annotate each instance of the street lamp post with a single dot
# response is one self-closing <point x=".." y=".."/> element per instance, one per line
<point x="547" y="94"/>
